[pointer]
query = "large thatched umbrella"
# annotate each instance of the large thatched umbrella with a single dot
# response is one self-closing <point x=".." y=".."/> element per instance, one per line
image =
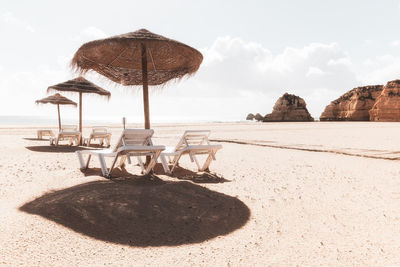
<point x="138" y="58"/>
<point x="58" y="100"/>
<point x="81" y="86"/>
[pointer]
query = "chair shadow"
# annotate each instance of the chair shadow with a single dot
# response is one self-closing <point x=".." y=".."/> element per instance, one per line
<point x="196" y="177"/>
<point x="35" y="139"/>
<point x="117" y="173"/>
<point x="179" y="173"/>
<point x="56" y="149"/>
<point x="142" y="212"/>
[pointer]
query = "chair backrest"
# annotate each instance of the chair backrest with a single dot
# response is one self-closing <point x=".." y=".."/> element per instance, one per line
<point x="69" y="128"/>
<point x="99" y="129"/>
<point x="193" y="138"/>
<point x="134" y="137"/>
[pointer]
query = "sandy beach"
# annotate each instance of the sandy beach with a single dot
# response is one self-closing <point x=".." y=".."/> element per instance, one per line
<point x="279" y="194"/>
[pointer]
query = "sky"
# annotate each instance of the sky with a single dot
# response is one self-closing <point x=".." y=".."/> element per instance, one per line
<point x="254" y="52"/>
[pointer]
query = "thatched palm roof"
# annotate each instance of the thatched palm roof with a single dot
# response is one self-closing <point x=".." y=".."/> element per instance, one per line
<point x="56" y="99"/>
<point x="80" y="85"/>
<point x="119" y="58"/>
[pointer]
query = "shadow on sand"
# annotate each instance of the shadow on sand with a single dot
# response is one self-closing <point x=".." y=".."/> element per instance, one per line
<point x="143" y="211"/>
<point x="196" y="177"/>
<point x="179" y="173"/>
<point x="56" y="149"/>
<point x="35" y="139"/>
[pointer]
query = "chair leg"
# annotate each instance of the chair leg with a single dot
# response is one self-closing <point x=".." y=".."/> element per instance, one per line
<point x="103" y="165"/>
<point x="194" y="158"/>
<point x="87" y="163"/>
<point x="112" y="166"/>
<point x="80" y="158"/>
<point x="175" y="162"/>
<point x="165" y="164"/>
<point x="207" y="162"/>
<point x="153" y="161"/>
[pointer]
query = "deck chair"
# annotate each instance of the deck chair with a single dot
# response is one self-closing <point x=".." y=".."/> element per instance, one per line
<point x="67" y="132"/>
<point x="132" y="142"/>
<point x="99" y="133"/>
<point x="44" y="132"/>
<point x="192" y="143"/>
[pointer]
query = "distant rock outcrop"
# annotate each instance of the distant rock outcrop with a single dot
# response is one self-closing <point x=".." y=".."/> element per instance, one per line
<point x="387" y="105"/>
<point x="258" y="117"/>
<point x="250" y="117"/>
<point x="353" y="105"/>
<point x="289" y="108"/>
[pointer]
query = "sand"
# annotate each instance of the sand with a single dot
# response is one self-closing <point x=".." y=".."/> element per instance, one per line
<point x="279" y="194"/>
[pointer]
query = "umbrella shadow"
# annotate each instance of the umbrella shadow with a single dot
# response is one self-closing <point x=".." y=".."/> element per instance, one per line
<point x="142" y="212"/>
<point x="35" y="139"/>
<point x="56" y="149"/>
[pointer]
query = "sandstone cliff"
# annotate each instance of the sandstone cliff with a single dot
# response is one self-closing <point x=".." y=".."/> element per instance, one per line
<point x="250" y="117"/>
<point x="353" y="105"/>
<point x="289" y="108"/>
<point x="387" y="105"/>
<point x="258" y="117"/>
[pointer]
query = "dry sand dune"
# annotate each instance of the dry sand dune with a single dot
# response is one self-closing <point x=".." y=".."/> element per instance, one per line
<point x="279" y="194"/>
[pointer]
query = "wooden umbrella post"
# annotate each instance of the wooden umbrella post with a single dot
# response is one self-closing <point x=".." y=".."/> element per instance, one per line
<point x="145" y="88"/>
<point x="145" y="94"/>
<point x="59" y="118"/>
<point x="80" y="116"/>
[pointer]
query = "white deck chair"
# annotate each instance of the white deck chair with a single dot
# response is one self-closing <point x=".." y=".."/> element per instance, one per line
<point x="132" y="142"/>
<point x="44" y="132"/>
<point x="67" y="132"/>
<point x="99" y="133"/>
<point x="194" y="142"/>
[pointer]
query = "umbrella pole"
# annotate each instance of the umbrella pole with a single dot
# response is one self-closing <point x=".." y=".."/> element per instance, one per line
<point x="59" y="118"/>
<point x="80" y="116"/>
<point x="145" y="93"/>
<point x="145" y="89"/>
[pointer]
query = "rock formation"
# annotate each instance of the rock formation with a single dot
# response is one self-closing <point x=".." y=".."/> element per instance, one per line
<point x="353" y="105"/>
<point x="387" y="105"/>
<point x="289" y="108"/>
<point x="250" y="117"/>
<point x="258" y="117"/>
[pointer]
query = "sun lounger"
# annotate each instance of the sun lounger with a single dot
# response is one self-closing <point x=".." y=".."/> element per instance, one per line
<point x="133" y="142"/>
<point x="98" y="133"/>
<point x="67" y="132"/>
<point x="44" y="132"/>
<point x="192" y="143"/>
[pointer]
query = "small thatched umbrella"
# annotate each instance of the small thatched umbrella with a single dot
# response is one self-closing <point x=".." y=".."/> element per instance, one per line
<point x="138" y="58"/>
<point x="81" y="86"/>
<point x="58" y="100"/>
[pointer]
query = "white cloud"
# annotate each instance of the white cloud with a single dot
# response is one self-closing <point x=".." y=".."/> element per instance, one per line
<point x="379" y="70"/>
<point x="11" y="19"/>
<point x="236" y="78"/>
<point x="252" y="77"/>
<point x="90" y="33"/>
<point x="314" y="71"/>
<point x="395" y="43"/>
